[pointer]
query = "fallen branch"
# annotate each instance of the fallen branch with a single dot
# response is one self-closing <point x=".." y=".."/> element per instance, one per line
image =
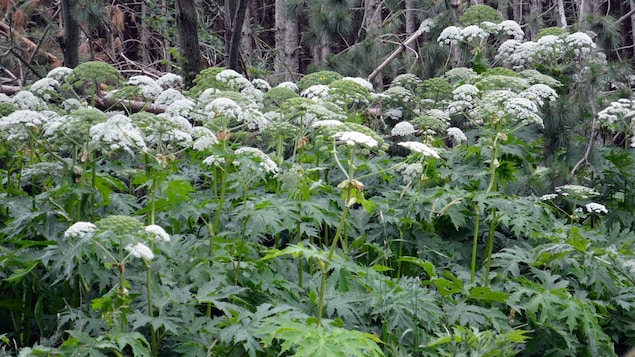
<point x="396" y="53"/>
<point x="9" y="32"/>
<point x="132" y="106"/>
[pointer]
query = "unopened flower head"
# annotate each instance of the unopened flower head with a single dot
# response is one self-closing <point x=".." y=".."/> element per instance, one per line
<point x="412" y="172"/>
<point x="403" y="129"/>
<point x="352" y="138"/>
<point x="420" y="148"/>
<point x="80" y="230"/>
<point x="266" y="163"/>
<point x="140" y="250"/>
<point x="157" y="231"/>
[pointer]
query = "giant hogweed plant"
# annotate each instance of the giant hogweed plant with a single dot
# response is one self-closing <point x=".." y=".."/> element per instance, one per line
<point x="295" y="229"/>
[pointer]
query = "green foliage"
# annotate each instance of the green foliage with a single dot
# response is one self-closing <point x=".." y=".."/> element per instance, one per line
<point x="207" y="79"/>
<point x="476" y="14"/>
<point x="319" y="77"/>
<point x="436" y="89"/>
<point x="7" y="108"/>
<point x="88" y="76"/>
<point x="552" y="31"/>
<point x="276" y="96"/>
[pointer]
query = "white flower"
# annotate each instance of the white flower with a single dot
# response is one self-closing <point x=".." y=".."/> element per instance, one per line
<point x="214" y="160"/>
<point x="511" y="28"/>
<point x="629" y="265"/>
<point x="393" y="113"/>
<point x="539" y="93"/>
<point x="140" y="250"/>
<point x="581" y="43"/>
<point x="354" y="137"/>
<point x="548" y="197"/>
<point x="203" y="138"/>
<point x="261" y="84"/>
<point x="412" y="172"/>
<point x="15" y="125"/>
<point x="224" y="107"/>
<point x="328" y="123"/>
<point x="361" y="81"/>
<point x="596" y="208"/>
<point x="118" y="132"/>
<point x="170" y="80"/>
<point x="524" y="54"/>
<point x="449" y="36"/>
<point x="269" y="165"/>
<point x="158" y="232"/>
<point x="402" y="129"/>
<point x="456" y="135"/>
<point x="578" y="191"/>
<point x="44" y="87"/>
<point x="506" y="50"/>
<point x="148" y="86"/>
<point x="473" y="33"/>
<point x="289" y="85"/>
<point x="420" y="148"/>
<point x="180" y="107"/>
<point x="26" y="100"/>
<point x="60" y="73"/>
<point x="318" y="92"/>
<point x="524" y="110"/>
<point x="168" y="97"/>
<point x="465" y="92"/>
<point x="233" y="79"/>
<point x="80" y="230"/>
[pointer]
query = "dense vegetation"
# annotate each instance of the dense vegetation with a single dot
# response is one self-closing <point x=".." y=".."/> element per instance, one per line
<point x="325" y="217"/>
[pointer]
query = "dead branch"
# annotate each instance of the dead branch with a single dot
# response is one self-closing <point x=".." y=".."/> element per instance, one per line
<point x="396" y="53"/>
<point x="7" y="30"/>
<point x="132" y="106"/>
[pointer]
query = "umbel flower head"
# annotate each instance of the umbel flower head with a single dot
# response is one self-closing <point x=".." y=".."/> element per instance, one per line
<point x="156" y="231"/>
<point x="352" y="138"/>
<point x="140" y="250"/>
<point x="80" y="230"/>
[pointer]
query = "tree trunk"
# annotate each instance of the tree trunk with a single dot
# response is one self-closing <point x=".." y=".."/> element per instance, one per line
<point x="411" y="19"/>
<point x="535" y="7"/>
<point x="632" y="18"/>
<point x="292" y="49"/>
<point x="562" y="16"/>
<point x="235" y="17"/>
<point x="187" y="24"/>
<point x="69" y="41"/>
<point x="248" y="41"/>
<point x="144" y="35"/>
<point x="279" y="60"/>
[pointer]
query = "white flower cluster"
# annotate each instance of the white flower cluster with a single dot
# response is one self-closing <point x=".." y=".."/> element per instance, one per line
<point x="44" y="87"/>
<point x="465" y="92"/>
<point x="361" y="81"/>
<point x="156" y="231"/>
<point x="80" y="230"/>
<point x="140" y="250"/>
<point x="524" y="110"/>
<point x="180" y="107"/>
<point x="581" y="43"/>
<point x="49" y="169"/>
<point x="289" y="85"/>
<point x="420" y="148"/>
<point x="399" y="94"/>
<point x="170" y="80"/>
<point x="233" y="79"/>
<point x="214" y="160"/>
<point x="473" y="34"/>
<point x="261" y="84"/>
<point x="550" y="47"/>
<point x="402" y="129"/>
<point x="317" y="92"/>
<point x="539" y="93"/>
<point x="26" y="100"/>
<point x="352" y="138"/>
<point x="596" y="208"/>
<point x="456" y="135"/>
<point x="14" y="126"/>
<point x="118" y="132"/>
<point x="449" y="36"/>
<point x="168" y="97"/>
<point x="59" y="74"/>
<point x="507" y="50"/>
<point x="511" y="28"/>
<point x="412" y="172"/>
<point x="548" y="197"/>
<point x="460" y="75"/>
<point x="266" y="163"/>
<point x="328" y="123"/>
<point x="622" y="109"/>
<point x="576" y="191"/>
<point x="224" y="107"/>
<point x="525" y="54"/>
<point x="149" y="87"/>
<point x="203" y="138"/>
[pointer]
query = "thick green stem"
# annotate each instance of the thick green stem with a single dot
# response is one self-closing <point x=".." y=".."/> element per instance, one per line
<point x="219" y="210"/>
<point x="489" y="247"/>
<point x="324" y="266"/>
<point x="153" y="334"/>
<point x="475" y="243"/>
